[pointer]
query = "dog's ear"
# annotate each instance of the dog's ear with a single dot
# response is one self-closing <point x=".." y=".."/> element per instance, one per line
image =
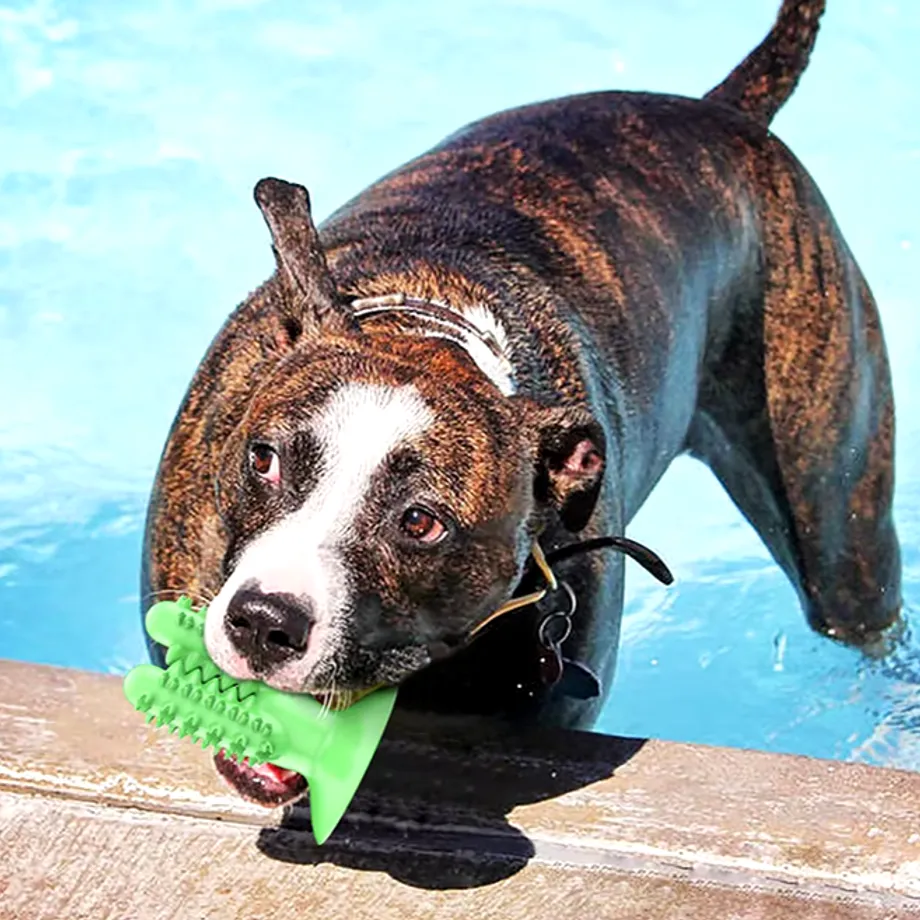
<point x="571" y="453"/>
<point x="307" y="284"/>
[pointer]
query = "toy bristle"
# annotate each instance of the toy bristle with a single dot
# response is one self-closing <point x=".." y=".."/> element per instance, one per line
<point x="193" y="699"/>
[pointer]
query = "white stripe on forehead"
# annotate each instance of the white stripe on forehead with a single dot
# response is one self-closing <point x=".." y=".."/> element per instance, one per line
<point x="357" y="429"/>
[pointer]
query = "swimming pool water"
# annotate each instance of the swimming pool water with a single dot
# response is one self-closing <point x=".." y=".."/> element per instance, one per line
<point x="130" y="138"/>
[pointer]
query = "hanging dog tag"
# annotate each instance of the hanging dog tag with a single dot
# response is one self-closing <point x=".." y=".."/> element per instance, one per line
<point x="578" y="681"/>
<point x="553" y="630"/>
<point x="570" y="678"/>
<point x="551" y="668"/>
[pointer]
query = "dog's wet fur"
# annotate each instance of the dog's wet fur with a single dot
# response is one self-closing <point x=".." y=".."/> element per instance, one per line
<point x="658" y="275"/>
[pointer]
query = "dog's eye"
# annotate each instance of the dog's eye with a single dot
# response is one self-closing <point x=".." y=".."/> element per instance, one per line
<point x="264" y="462"/>
<point x="422" y="525"/>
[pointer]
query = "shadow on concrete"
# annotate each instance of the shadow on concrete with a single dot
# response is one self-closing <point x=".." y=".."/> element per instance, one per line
<point x="432" y="811"/>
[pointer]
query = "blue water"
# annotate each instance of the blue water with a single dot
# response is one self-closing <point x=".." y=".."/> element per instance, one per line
<point x="130" y="137"/>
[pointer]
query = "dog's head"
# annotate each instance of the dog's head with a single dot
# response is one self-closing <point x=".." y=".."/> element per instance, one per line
<point x="380" y="497"/>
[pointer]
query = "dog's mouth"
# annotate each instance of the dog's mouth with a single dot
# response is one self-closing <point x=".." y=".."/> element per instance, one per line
<point x="267" y="784"/>
<point x="264" y="784"/>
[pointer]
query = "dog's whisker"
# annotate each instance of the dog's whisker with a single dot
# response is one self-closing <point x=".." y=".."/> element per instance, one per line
<point x="331" y="695"/>
<point x="201" y="598"/>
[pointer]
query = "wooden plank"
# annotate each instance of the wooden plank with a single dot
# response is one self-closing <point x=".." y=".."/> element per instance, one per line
<point x="87" y="862"/>
<point x="456" y="817"/>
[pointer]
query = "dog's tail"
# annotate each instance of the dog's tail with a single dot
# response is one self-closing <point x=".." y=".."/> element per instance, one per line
<point x="765" y="79"/>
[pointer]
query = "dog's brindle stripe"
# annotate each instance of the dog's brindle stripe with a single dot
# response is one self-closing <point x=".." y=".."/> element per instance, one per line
<point x="666" y="263"/>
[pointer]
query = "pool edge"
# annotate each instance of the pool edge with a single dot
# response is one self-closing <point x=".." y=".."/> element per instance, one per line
<point x="100" y="816"/>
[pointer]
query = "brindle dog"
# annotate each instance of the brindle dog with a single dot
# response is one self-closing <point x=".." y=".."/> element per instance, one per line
<point x="508" y="340"/>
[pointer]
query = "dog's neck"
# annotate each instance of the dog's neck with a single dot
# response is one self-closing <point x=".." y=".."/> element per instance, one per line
<point x="474" y="328"/>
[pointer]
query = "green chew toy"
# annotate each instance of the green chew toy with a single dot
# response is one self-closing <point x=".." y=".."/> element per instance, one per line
<point x="249" y="719"/>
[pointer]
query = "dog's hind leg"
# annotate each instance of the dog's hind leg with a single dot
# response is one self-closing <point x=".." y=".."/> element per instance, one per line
<point x="795" y="416"/>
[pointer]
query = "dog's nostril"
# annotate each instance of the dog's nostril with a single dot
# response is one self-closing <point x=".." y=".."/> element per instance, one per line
<point x="239" y="623"/>
<point x="277" y="637"/>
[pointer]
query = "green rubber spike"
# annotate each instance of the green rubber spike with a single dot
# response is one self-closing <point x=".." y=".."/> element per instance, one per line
<point x="249" y="719"/>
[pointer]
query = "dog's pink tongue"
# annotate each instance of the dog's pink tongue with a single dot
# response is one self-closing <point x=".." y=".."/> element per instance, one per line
<point x="274" y="772"/>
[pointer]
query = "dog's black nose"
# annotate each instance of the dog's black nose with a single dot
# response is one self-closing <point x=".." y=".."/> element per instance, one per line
<point x="268" y="629"/>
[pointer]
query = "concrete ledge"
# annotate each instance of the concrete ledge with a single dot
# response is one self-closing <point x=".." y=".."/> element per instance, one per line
<point x="101" y="817"/>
